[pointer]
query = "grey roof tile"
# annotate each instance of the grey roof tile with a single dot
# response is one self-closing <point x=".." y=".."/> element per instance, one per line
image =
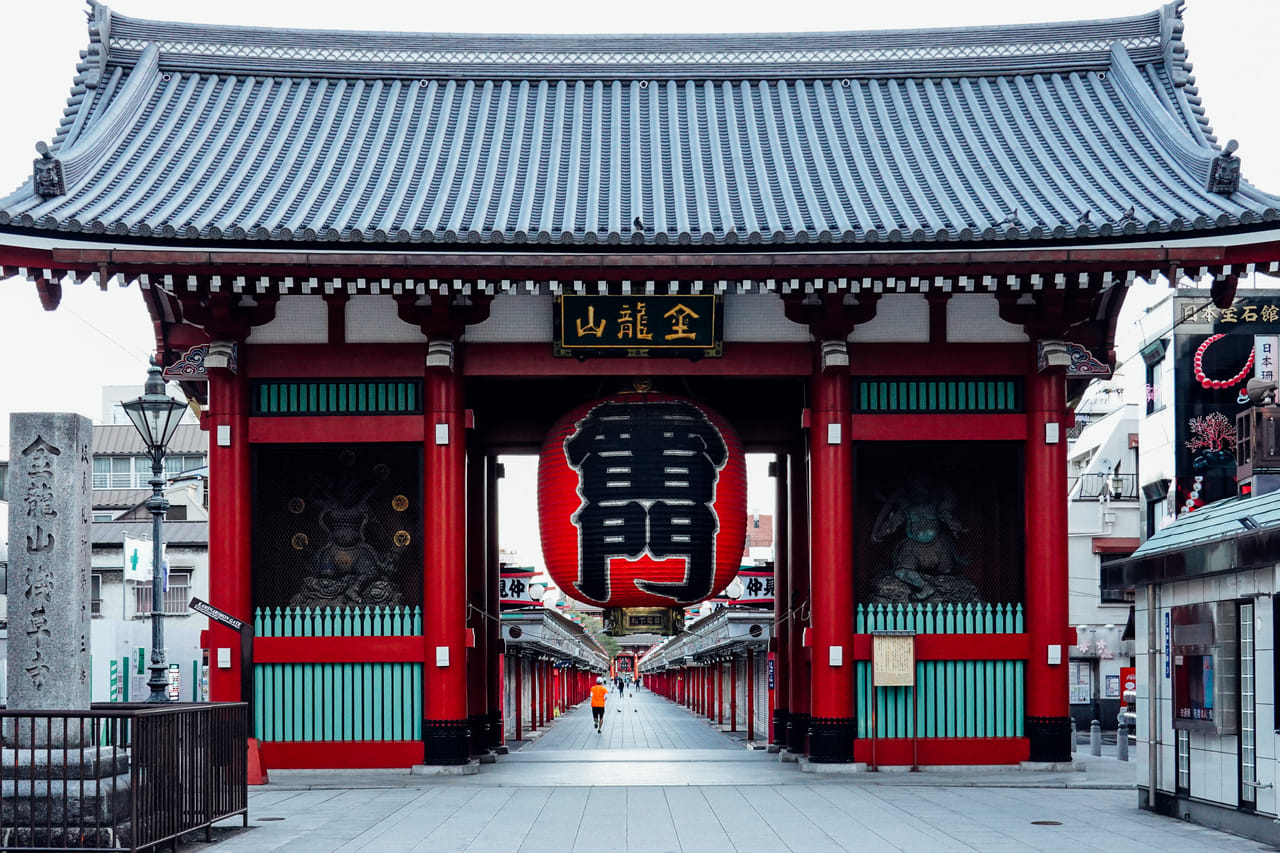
<point x="123" y="440"/>
<point x="1218" y="521"/>
<point x="1040" y="132"/>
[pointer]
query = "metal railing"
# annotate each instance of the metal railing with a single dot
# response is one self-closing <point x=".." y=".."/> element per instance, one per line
<point x="1095" y="486"/>
<point x="121" y="777"/>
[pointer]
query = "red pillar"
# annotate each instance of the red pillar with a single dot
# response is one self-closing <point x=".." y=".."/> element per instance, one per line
<point x="230" y="514"/>
<point x="831" y="569"/>
<point x="1045" y="478"/>
<point x="493" y="624"/>
<point x="721" y="700"/>
<point x="478" y="600"/>
<point x="751" y="696"/>
<point x="780" y="695"/>
<point x="519" y="697"/>
<point x="801" y="606"/>
<point x="533" y="695"/>
<point x="733" y="694"/>
<point x="444" y="580"/>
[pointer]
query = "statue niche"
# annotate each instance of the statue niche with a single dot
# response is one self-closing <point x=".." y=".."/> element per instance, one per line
<point x="346" y="569"/>
<point x="925" y="561"/>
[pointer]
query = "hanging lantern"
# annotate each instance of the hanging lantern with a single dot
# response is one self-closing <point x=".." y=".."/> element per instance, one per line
<point x="642" y="501"/>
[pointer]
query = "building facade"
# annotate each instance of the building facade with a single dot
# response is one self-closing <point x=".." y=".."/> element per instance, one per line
<point x="887" y="259"/>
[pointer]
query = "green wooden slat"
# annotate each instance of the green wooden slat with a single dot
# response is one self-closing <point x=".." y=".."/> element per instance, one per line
<point x="417" y="702"/>
<point x="1018" y="695"/>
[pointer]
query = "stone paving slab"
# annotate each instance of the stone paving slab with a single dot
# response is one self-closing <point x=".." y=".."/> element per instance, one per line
<point x="641" y="794"/>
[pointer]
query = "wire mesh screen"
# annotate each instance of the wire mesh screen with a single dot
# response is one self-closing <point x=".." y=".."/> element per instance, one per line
<point x="337" y="526"/>
<point x="938" y="522"/>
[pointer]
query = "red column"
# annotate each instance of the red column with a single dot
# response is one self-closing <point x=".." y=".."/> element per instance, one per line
<point x="444" y="580"/>
<point x="720" y="691"/>
<point x="751" y="696"/>
<point x="533" y="695"/>
<point x="831" y="569"/>
<point x="493" y="624"/>
<point x="478" y="601"/>
<point x="733" y="694"/>
<point x="1045" y="477"/>
<point x="230" y="515"/>
<point x="780" y="696"/>
<point x="519" y="697"/>
<point x="801" y="606"/>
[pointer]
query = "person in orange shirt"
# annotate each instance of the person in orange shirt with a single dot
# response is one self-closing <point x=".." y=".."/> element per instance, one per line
<point x="598" y="692"/>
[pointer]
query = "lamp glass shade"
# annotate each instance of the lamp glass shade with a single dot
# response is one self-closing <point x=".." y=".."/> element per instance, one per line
<point x="155" y="415"/>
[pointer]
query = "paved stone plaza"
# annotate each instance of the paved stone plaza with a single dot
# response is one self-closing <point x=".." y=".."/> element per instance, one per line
<point x="659" y="778"/>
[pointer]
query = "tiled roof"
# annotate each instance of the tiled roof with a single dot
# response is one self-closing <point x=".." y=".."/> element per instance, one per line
<point x="1041" y="133"/>
<point x="176" y="533"/>
<point x="123" y="440"/>
<point x="1217" y="522"/>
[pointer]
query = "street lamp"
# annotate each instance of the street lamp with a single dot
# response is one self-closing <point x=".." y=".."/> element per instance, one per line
<point x="156" y="416"/>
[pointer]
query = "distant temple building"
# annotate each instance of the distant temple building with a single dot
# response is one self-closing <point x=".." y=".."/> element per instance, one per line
<point x="889" y="259"/>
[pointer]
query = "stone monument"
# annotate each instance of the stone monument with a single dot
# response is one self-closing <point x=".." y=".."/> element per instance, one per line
<point x="50" y="478"/>
<point x="60" y="788"/>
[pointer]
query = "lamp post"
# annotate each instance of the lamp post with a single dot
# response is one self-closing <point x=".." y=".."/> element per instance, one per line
<point x="156" y="416"/>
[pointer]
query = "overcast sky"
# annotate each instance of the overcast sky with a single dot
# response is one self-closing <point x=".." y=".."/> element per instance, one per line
<point x="59" y="361"/>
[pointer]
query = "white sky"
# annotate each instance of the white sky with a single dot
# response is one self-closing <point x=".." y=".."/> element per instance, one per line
<point x="60" y="361"/>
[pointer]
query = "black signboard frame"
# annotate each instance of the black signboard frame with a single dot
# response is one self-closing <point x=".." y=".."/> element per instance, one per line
<point x="670" y="326"/>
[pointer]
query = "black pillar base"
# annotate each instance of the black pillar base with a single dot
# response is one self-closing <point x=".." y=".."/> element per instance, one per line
<point x="780" y="726"/>
<point x="798" y="732"/>
<point x="478" y="732"/>
<point x="831" y="740"/>
<point x="446" y="741"/>
<point x="1050" y="738"/>
<point x="494" y="718"/>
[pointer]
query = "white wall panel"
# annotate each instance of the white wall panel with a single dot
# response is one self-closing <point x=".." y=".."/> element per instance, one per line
<point x="975" y="318"/>
<point x="760" y="317"/>
<point x="374" y="320"/>
<point x="514" y="318"/>
<point x="900" y="318"/>
<point x="299" y="320"/>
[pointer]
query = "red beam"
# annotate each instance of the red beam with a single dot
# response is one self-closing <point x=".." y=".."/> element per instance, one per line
<point x="342" y="429"/>
<point x="957" y="647"/>
<point x="609" y="264"/>
<point x="936" y="359"/>
<point x="340" y="754"/>
<point x="916" y="427"/>
<point x="373" y="361"/>
<point x="739" y="360"/>
<point x="897" y="752"/>
<point x="337" y="650"/>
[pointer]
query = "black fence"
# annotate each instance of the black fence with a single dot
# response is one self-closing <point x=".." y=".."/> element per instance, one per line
<point x="120" y="776"/>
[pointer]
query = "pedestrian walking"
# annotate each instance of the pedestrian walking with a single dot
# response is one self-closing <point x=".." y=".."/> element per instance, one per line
<point x="598" y="692"/>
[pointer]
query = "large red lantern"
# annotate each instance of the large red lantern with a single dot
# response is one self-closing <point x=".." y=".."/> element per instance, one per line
<point x="642" y="501"/>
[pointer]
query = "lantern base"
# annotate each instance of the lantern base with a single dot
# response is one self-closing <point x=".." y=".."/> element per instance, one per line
<point x="624" y="621"/>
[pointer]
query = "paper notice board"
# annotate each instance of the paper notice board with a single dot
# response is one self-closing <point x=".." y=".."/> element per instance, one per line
<point x="893" y="660"/>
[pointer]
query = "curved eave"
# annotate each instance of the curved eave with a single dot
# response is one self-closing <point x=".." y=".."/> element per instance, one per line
<point x="1055" y="156"/>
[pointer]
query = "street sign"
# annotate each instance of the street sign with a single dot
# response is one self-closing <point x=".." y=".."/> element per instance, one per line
<point x="215" y="614"/>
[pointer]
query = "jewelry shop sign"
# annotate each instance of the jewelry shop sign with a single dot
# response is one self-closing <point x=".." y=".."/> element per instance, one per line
<point x="639" y="326"/>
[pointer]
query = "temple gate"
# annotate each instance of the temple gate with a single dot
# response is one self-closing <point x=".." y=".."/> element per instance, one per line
<point x="365" y="269"/>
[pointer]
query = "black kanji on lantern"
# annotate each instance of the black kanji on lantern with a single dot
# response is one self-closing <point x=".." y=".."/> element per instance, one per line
<point x="647" y="475"/>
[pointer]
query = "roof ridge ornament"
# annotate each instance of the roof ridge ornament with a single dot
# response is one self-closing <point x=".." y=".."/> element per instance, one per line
<point x="47" y="173"/>
<point x="1224" y="171"/>
<point x="95" y="57"/>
